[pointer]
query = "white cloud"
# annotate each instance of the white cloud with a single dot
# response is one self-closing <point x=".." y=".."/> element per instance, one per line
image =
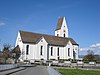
<point x="86" y="49"/>
<point x="98" y="44"/>
<point x="94" y="47"/>
<point x="83" y="49"/>
<point x="2" y="23"/>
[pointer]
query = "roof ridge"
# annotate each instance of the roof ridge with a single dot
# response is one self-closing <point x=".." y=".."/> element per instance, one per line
<point x="42" y="34"/>
<point x="31" y="37"/>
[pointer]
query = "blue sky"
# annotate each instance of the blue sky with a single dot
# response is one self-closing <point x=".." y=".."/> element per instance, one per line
<point x="41" y="16"/>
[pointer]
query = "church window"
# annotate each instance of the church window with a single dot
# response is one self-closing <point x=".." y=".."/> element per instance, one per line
<point x="19" y="39"/>
<point x="27" y="49"/>
<point x="41" y="50"/>
<point x="68" y="51"/>
<point x="58" y="51"/>
<point x="51" y="51"/>
<point x="41" y="40"/>
<point x="76" y="48"/>
<point x="64" y="30"/>
<point x="74" y="54"/>
<point x="64" y="34"/>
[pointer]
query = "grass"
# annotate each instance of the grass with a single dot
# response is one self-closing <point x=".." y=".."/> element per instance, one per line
<point x="78" y="72"/>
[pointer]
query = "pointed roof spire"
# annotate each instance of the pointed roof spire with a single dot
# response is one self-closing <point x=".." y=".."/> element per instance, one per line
<point x="60" y="21"/>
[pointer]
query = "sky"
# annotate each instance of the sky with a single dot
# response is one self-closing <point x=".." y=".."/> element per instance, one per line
<point x="41" y="16"/>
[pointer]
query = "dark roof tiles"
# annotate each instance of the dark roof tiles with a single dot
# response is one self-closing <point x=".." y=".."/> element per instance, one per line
<point x="30" y="37"/>
<point x="59" y="24"/>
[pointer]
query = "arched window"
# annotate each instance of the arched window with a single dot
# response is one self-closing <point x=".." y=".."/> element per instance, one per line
<point x="27" y="49"/>
<point x="74" y="54"/>
<point x="51" y="51"/>
<point x="57" y="34"/>
<point x="64" y="34"/>
<point x="41" y="50"/>
<point x="68" y="51"/>
<point x="58" y="51"/>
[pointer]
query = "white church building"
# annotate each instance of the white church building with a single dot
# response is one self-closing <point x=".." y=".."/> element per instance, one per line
<point x="35" y="46"/>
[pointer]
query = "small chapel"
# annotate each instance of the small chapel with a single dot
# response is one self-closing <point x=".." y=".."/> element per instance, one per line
<point x="36" y="46"/>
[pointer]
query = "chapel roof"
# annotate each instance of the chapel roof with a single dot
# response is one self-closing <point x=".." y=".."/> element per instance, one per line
<point x="30" y="37"/>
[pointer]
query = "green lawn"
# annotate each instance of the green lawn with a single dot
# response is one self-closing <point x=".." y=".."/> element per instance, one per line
<point x="78" y="72"/>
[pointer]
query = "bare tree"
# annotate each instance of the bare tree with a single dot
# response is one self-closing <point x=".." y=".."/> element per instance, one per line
<point x="6" y="51"/>
<point x="16" y="53"/>
<point x="90" y="56"/>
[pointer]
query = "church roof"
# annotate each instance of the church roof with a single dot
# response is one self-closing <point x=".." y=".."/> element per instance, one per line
<point x="59" y="24"/>
<point x="30" y="37"/>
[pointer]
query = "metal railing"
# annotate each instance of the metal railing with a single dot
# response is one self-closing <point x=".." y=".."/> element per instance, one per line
<point x="52" y="71"/>
<point x="7" y="66"/>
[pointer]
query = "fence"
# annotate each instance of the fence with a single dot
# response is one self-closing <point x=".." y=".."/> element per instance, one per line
<point x="7" y="66"/>
<point x="52" y="71"/>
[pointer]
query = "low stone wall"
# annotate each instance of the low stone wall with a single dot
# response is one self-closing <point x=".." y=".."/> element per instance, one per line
<point x="7" y="66"/>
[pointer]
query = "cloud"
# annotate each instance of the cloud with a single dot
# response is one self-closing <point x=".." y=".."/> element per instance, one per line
<point x="2" y="23"/>
<point x="94" y="47"/>
<point x="84" y="49"/>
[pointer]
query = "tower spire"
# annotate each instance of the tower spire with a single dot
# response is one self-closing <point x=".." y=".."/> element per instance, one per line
<point x="61" y="29"/>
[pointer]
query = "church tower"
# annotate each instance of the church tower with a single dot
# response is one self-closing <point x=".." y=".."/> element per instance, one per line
<point x="61" y="29"/>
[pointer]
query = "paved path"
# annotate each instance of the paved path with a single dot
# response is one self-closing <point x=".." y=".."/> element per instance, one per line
<point x="39" y="70"/>
<point x="7" y="72"/>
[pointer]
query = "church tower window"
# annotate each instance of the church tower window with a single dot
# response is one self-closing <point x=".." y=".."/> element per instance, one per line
<point x="64" y="35"/>
<point x="64" y="30"/>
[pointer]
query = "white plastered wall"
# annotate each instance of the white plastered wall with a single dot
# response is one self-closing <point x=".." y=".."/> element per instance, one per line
<point x="43" y="43"/>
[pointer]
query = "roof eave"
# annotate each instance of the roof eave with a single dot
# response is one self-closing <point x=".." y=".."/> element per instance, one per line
<point x="57" y="29"/>
<point x="76" y="44"/>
